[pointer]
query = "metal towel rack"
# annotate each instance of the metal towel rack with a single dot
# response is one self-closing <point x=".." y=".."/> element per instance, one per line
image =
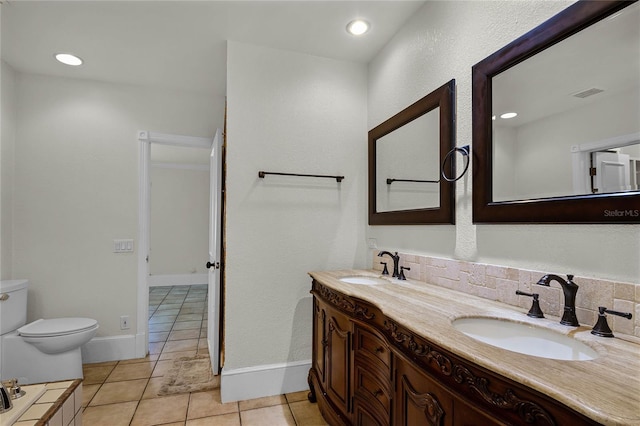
<point x="262" y="174"/>
<point x="462" y="150"/>
<point x="390" y="181"/>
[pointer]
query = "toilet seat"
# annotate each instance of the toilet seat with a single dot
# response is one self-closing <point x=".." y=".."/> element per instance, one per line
<point x="57" y="327"/>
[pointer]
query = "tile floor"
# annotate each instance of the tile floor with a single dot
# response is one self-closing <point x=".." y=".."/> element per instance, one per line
<point x="125" y="392"/>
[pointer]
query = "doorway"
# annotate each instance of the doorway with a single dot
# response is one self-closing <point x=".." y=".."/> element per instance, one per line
<point x="212" y="274"/>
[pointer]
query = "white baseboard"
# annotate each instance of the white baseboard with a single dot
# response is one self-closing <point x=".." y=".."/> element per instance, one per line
<point x="177" y="279"/>
<point x="110" y="348"/>
<point x="264" y="380"/>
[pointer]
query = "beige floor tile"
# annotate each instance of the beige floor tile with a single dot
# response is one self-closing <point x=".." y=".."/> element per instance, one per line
<point x="165" y="306"/>
<point x="267" y="401"/>
<point x="158" y="337"/>
<point x="184" y="334"/>
<point x="162" y="319"/>
<point x="94" y="375"/>
<point x="277" y="415"/>
<point x="109" y="415"/>
<point x="163" y="326"/>
<point x="189" y="317"/>
<point x="206" y="404"/>
<point x="162" y="410"/>
<point x="180" y="345"/>
<point x="111" y="393"/>
<point x="165" y="312"/>
<point x="155" y="348"/>
<point x="162" y="368"/>
<point x="305" y="413"/>
<point x="232" y="419"/>
<point x="153" y="387"/>
<point x="148" y="358"/>
<point x="101" y="364"/>
<point x="88" y="391"/>
<point x="202" y="344"/>
<point x="175" y="355"/>
<point x="185" y="325"/>
<point x="184" y="311"/>
<point x="193" y="302"/>
<point x="140" y="370"/>
<point x="297" y="396"/>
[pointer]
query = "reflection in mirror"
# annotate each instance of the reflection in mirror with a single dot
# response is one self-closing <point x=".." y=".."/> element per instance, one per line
<point x="406" y="153"/>
<point x="408" y="165"/>
<point x="592" y="92"/>
<point x="568" y="152"/>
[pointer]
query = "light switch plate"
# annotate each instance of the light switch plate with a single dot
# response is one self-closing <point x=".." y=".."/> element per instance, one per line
<point x="123" y="246"/>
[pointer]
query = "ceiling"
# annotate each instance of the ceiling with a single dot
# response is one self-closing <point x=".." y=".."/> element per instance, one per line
<point x="182" y="44"/>
<point x="604" y="56"/>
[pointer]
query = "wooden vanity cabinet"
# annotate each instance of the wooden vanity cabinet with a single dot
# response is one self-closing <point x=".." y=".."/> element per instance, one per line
<point x="369" y="370"/>
<point x="332" y="336"/>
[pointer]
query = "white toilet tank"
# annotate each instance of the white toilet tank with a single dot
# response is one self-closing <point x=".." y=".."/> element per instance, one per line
<point x="13" y="304"/>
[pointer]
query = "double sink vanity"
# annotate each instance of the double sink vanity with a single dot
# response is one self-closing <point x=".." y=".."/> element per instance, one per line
<point x="388" y="351"/>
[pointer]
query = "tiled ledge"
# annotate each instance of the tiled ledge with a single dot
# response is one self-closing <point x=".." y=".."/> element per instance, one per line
<point x="60" y="405"/>
<point x="500" y="283"/>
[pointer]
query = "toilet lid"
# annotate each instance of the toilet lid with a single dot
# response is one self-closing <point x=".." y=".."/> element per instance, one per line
<point x="56" y="327"/>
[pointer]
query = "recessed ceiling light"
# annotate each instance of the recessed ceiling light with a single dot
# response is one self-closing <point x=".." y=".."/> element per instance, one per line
<point x="69" y="59"/>
<point x="357" y="27"/>
<point x="508" y="115"/>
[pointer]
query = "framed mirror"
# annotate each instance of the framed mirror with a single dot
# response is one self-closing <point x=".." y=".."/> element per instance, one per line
<point x="571" y="153"/>
<point x="407" y="153"/>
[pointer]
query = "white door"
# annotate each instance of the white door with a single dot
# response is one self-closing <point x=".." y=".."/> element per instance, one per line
<point x="612" y="172"/>
<point x="215" y="230"/>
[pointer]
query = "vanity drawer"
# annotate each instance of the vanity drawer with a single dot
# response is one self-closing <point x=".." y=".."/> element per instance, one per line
<point x="371" y="344"/>
<point x="372" y="388"/>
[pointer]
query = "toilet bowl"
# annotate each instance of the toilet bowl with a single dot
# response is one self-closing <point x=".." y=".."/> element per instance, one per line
<point x="53" y="336"/>
<point x="44" y="350"/>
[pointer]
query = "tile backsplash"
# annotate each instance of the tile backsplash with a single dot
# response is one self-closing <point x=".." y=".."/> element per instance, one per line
<point x="500" y="283"/>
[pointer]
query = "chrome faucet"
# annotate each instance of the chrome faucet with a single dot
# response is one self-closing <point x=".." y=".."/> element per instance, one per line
<point x="396" y="261"/>
<point x="570" y="289"/>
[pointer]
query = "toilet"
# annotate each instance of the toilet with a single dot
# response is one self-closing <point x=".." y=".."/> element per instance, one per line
<point x="45" y="350"/>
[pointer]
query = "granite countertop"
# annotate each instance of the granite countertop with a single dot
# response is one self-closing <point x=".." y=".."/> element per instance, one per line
<point x="605" y="389"/>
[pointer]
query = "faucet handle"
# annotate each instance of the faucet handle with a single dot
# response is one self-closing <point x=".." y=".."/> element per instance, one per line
<point x="401" y="276"/>
<point x="535" y="311"/>
<point x="602" y="327"/>
<point x="385" y="271"/>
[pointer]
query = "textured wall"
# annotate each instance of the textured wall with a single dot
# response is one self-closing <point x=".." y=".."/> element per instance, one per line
<point x="179" y="220"/>
<point x="443" y="41"/>
<point x="76" y="189"/>
<point x="292" y="113"/>
<point x="7" y="147"/>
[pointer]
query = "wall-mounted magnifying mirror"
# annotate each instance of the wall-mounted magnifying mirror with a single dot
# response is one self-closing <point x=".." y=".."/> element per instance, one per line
<point x="556" y="121"/>
<point x="406" y="154"/>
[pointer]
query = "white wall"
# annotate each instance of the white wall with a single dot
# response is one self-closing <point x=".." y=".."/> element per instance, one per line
<point x="76" y="189"/>
<point x="545" y="144"/>
<point x="292" y="113"/>
<point x="7" y="147"/>
<point x="410" y="152"/>
<point x="443" y="41"/>
<point x="179" y="220"/>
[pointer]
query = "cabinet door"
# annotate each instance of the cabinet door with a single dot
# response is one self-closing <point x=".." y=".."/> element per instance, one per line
<point x="319" y="340"/>
<point x="419" y="399"/>
<point x="338" y="363"/>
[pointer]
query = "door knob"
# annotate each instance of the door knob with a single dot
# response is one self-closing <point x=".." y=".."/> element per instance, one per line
<point x="215" y="265"/>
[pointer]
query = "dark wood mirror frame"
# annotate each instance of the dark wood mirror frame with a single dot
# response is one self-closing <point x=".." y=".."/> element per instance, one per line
<point x="623" y="207"/>
<point x="443" y="98"/>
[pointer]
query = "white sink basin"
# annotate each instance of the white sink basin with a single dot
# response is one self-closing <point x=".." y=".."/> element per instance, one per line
<point x="524" y="338"/>
<point x="364" y="280"/>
